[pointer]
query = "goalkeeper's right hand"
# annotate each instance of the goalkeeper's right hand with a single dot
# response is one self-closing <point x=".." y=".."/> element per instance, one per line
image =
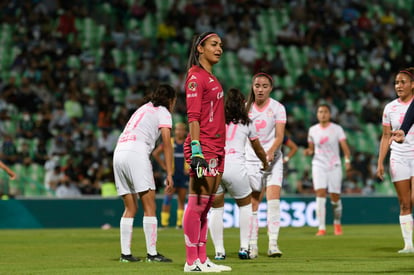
<point x="198" y="163"/>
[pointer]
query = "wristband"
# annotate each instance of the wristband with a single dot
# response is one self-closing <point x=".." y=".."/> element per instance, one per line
<point x="196" y="148"/>
<point x="347" y="160"/>
<point x="286" y="159"/>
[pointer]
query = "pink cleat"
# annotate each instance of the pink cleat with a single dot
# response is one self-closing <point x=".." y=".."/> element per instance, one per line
<point x="321" y="232"/>
<point x="338" y="229"/>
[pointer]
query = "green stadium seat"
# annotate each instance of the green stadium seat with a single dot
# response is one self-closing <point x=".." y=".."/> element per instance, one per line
<point x="176" y="117"/>
<point x="300" y="162"/>
<point x="131" y="56"/>
<point x="10" y="126"/>
<point x="74" y="62"/>
<point x="149" y="26"/>
<point x="118" y="94"/>
<point x="292" y="179"/>
<point x="118" y="56"/>
<point x="107" y="78"/>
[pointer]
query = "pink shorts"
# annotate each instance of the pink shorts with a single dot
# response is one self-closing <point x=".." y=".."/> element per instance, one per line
<point x="213" y="156"/>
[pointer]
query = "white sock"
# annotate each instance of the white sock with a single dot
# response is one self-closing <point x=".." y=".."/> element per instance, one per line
<point x="337" y="211"/>
<point x="254" y="231"/>
<point x="273" y="221"/>
<point x="126" y="227"/>
<point x="216" y="226"/>
<point x="150" y="230"/>
<point x="321" y="212"/>
<point x="406" y="223"/>
<point x="245" y="218"/>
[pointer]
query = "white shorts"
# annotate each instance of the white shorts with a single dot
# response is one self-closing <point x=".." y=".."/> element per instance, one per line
<point x="327" y="179"/>
<point x="235" y="180"/>
<point x="401" y="168"/>
<point x="133" y="172"/>
<point x="258" y="179"/>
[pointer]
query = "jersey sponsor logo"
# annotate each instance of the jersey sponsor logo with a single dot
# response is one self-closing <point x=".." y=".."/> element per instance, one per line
<point x="402" y="115"/>
<point x="192" y="86"/>
<point x="292" y="213"/>
<point x="211" y="170"/>
<point x="210" y="80"/>
<point x="213" y="163"/>
<point x="259" y="124"/>
<point x="220" y="95"/>
<point x="323" y="140"/>
<point x="127" y="137"/>
<point x="193" y="77"/>
<point x="269" y="113"/>
<point x="191" y="95"/>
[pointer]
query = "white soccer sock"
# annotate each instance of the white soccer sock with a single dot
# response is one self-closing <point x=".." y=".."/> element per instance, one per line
<point x="150" y="225"/>
<point x="254" y="231"/>
<point x="273" y="221"/>
<point x="216" y="228"/>
<point x="321" y="212"/>
<point x="406" y="223"/>
<point x="126" y="227"/>
<point x="245" y="218"/>
<point x="337" y="211"/>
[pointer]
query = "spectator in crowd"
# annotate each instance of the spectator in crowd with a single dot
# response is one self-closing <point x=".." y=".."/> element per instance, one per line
<point x="67" y="188"/>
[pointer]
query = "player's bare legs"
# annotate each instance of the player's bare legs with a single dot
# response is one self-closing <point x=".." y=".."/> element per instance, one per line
<point x="254" y="231"/>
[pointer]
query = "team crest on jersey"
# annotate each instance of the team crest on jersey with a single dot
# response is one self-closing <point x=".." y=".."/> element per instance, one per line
<point x="192" y="86"/>
<point x="269" y="113"/>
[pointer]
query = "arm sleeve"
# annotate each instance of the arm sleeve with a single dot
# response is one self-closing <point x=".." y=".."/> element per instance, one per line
<point x="194" y="96"/>
<point x="408" y="118"/>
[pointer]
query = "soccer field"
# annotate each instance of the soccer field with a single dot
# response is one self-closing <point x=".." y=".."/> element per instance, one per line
<point x="361" y="250"/>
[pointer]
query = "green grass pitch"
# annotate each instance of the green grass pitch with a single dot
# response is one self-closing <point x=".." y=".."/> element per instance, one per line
<point x="363" y="249"/>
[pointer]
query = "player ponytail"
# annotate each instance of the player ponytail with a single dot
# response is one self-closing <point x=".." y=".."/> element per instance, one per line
<point x="234" y="107"/>
<point x="163" y="95"/>
<point x="194" y="54"/>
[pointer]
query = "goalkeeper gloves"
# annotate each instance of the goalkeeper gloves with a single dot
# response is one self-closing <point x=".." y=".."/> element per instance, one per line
<point x="198" y="163"/>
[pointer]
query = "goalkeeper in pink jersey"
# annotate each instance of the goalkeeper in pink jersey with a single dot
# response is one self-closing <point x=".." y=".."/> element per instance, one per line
<point x="203" y="148"/>
<point x="324" y="140"/>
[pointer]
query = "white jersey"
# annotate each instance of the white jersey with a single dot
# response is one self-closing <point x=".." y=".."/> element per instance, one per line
<point x="326" y="141"/>
<point x="236" y="139"/>
<point x="393" y="116"/>
<point x="264" y="120"/>
<point x="143" y="128"/>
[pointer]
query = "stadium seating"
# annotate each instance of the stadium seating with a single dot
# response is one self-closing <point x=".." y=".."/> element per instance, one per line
<point x="230" y="71"/>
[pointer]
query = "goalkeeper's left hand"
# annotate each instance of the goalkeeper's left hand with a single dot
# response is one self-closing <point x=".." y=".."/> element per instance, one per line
<point x="198" y="163"/>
